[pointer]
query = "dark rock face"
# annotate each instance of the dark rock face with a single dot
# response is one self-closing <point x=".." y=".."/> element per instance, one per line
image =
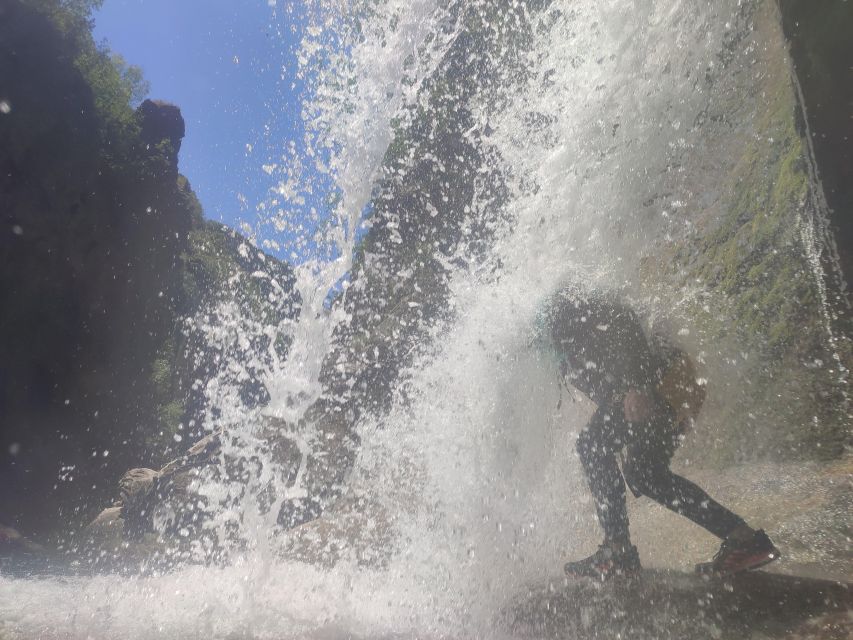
<point x="821" y="49"/>
<point x="103" y="251"/>
<point x="434" y="169"/>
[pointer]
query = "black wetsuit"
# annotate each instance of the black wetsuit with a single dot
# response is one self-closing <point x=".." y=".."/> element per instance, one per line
<point x="606" y="354"/>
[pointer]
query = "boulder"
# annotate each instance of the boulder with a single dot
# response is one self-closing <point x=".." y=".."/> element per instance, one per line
<point x="204" y="451"/>
<point x="136" y="481"/>
<point x="355" y="527"/>
<point x="106" y="531"/>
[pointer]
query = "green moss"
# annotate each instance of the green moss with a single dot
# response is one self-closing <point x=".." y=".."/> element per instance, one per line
<point x="783" y="398"/>
<point x="161" y="374"/>
<point x="755" y="256"/>
<point x="171" y="415"/>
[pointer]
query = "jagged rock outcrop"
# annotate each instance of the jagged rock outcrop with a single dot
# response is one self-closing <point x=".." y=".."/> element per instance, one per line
<point x="161" y="130"/>
<point x="141" y="492"/>
<point x="161" y="121"/>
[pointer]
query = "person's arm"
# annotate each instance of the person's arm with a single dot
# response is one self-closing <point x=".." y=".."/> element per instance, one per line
<point x="638" y="367"/>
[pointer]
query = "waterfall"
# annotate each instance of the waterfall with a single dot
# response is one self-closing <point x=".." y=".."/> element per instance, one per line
<point x="600" y="142"/>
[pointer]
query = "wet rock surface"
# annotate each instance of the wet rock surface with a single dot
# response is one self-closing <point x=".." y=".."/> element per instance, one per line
<point x="354" y="528"/>
<point x="807" y="594"/>
<point x="674" y="605"/>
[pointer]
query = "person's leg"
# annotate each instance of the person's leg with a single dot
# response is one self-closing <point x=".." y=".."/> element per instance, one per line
<point x="646" y="467"/>
<point x="647" y="472"/>
<point x="597" y="446"/>
<point x="684" y="497"/>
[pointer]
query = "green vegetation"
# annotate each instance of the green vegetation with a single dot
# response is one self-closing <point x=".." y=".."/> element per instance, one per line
<point x="755" y="255"/>
<point x="116" y="86"/>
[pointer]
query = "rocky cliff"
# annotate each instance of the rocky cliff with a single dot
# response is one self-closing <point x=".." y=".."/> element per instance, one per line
<point x="103" y="254"/>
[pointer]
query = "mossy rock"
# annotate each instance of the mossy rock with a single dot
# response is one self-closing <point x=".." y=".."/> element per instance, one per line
<point x="762" y="321"/>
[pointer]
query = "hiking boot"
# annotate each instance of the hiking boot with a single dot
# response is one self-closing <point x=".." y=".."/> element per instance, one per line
<point x="608" y="562"/>
<point x="736" y="555"/>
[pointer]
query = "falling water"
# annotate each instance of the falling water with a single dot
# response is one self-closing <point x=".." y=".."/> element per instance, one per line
<point x="600" y="123"/>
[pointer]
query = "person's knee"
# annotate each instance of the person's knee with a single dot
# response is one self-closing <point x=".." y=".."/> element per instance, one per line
<point x="645" y="480"/>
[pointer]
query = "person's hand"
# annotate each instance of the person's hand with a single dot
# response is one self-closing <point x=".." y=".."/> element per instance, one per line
<point x="638" y="406"/>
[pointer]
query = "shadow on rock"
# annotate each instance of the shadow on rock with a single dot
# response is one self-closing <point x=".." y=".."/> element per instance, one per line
<point x="673" y="605"/>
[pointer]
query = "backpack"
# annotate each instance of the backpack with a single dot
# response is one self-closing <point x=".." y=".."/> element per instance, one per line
<point x="680" y="387"/>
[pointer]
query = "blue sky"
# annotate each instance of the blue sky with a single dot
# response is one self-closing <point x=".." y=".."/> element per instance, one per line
<point x="230" y="66"/>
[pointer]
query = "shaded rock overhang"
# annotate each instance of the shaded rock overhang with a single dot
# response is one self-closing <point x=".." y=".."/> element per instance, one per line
<point x="821" y="48"/>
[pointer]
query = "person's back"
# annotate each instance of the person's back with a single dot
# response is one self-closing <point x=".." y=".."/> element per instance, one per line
<point x="604" y="346"/>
